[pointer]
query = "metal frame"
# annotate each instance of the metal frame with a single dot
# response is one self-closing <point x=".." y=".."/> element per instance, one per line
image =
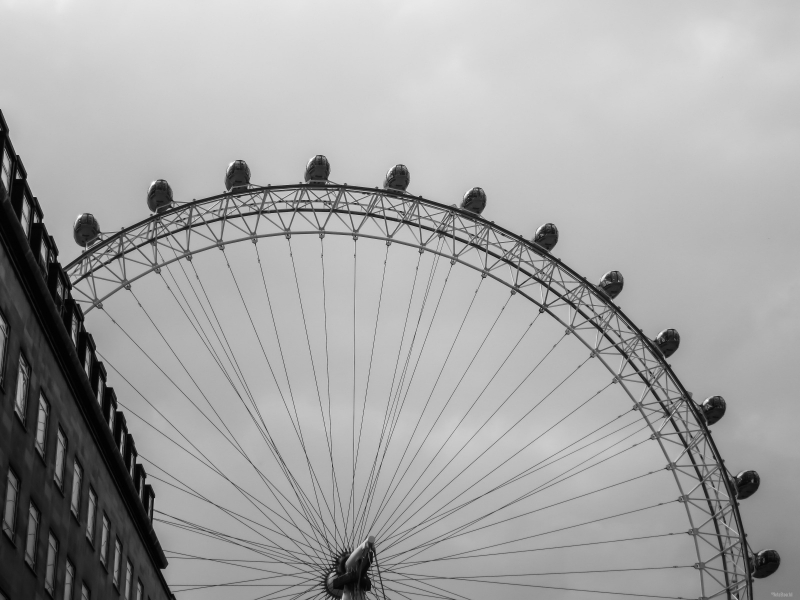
<point x="118" y="260"/>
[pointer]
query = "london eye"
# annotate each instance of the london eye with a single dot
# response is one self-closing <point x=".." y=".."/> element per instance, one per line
<point x="326" y="371"/>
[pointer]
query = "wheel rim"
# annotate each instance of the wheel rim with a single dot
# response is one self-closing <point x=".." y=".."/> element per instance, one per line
<point x="449" y="240"/>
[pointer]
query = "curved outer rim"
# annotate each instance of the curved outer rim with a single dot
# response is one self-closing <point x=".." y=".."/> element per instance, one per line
<point x="120" y="259"/>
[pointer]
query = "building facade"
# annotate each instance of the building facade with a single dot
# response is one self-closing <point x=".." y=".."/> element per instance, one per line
<point x="77" y="511"/>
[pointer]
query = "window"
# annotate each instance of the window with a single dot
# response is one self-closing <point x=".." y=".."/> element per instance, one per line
<point x="86" y="593"/>
<point x="77" y="483"/>
<point x="128" y="580"/>
<point x="33" y="534"/>
<point x="117" y="562"/>
<point x="139" y="590"/>
<point x="5" y="170"/>
<point x="75" y="328"/>
<point x="41" y="425"/>
<point x="61" y="457"/>
<point x="25" y="216"/>
<point x="52" y="561"/>
<point x="122" y="436"/>
<point x="10" y="509"/>
<point x="101" y="386"/>
<point x="69" y="581"/>
<point x="91" y="515"/>
<point x="104" y="541"/>
<point x="3" y="345"/>
<point x="44" y="253"/>
<point x="111" y="414"/>
<point x="23" y="381"/>
<point x="87" y="362"/>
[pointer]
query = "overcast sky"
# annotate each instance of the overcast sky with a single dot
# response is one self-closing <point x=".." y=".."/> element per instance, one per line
<point x="661" y="137"/>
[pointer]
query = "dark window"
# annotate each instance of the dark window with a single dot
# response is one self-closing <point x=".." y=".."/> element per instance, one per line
<point x="3" y="345"/>
<point x="25" y="216"/>
<point x="10" y="508"/>
<point x="52" y="563"/>
<point x="77" y="483"/>
<point x="69" y="581"/>
<point x="91" y="516"/>
<point x="41" y="425"/>
<point x="61" y="459"/>
<point x="34" y="516"/>
<point x="75" y="327"/>
<point x="117" y="562"/>
<point x="104" y="541"/>
<point x="128" y="580"/>
<point x="23" y="382"/>
<point x="5" y="170"/>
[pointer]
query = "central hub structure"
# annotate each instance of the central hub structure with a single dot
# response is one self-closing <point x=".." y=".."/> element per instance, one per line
<point x="350" y="580"/>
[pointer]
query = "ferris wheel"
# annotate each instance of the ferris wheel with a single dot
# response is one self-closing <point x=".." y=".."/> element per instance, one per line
<point x="376" y="395"/>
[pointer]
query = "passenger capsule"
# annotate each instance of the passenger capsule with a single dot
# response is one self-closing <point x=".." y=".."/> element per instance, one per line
<point x="612" y="283"/>
<point x="237" y="175"/>
<point x="159" y="195"/>
<point x="397" y="178"/>
<point x="747" y="483"/>
<point x="764" y="563"/>
<point x="546" y="236"/>
<point x="668" y="342"/>
<point x="474" y="200"/>
<point x="86" y="230"/>
<point x="318" y="170"/>
<point x="713" y="409"/>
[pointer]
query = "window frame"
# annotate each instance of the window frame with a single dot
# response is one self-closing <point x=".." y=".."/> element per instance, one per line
<point x="60" y="459"/>
<point x="51" y="564"/>
<point x="26" y="216"/>
<point x="77" y="485"/>
<point x="11" y="530"/>
<point x="91" y="516"/>
<point x="105" y="533"/>
<point x="41" y="446"/>
<point x="128" y="579"/>
<point x="23" y="378"/>
<point x="5" y="330"/>
<point x="69" y="580"/>
<point x="115" y="574"/>
<point x="30" y="553"/>
<point x="6" y="169"/>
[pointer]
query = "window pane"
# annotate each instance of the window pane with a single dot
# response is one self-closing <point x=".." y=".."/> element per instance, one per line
<point x="3" y="344"/>
<point x="23" y="379"/>
<point x="75" y="328"/>
<point x="86" y="594"/>
<point x="69" y="581"/>
<point x="101" y="386"/>
<point x="10" y="509"/>
<point x="77" y="483"/>
<point x="87" y="363"/>
<point x="41" y="425"/>
<point x="25" y="217"/>
<point x="111" y="415"/>
<point x="117" y="561"/>
<point x="5" y="170"/>
<point x="104" y="542"/>
<point x="61" y="457"/>
<point x="139" y="590"/>
<point x="91" y="515"/>
<point x="52" y="561"/>
<point x="33" y="535"/>
<point x="128" y="578"/>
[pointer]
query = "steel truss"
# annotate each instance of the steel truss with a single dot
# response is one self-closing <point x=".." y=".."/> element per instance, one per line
<point x="119" y="260"/>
